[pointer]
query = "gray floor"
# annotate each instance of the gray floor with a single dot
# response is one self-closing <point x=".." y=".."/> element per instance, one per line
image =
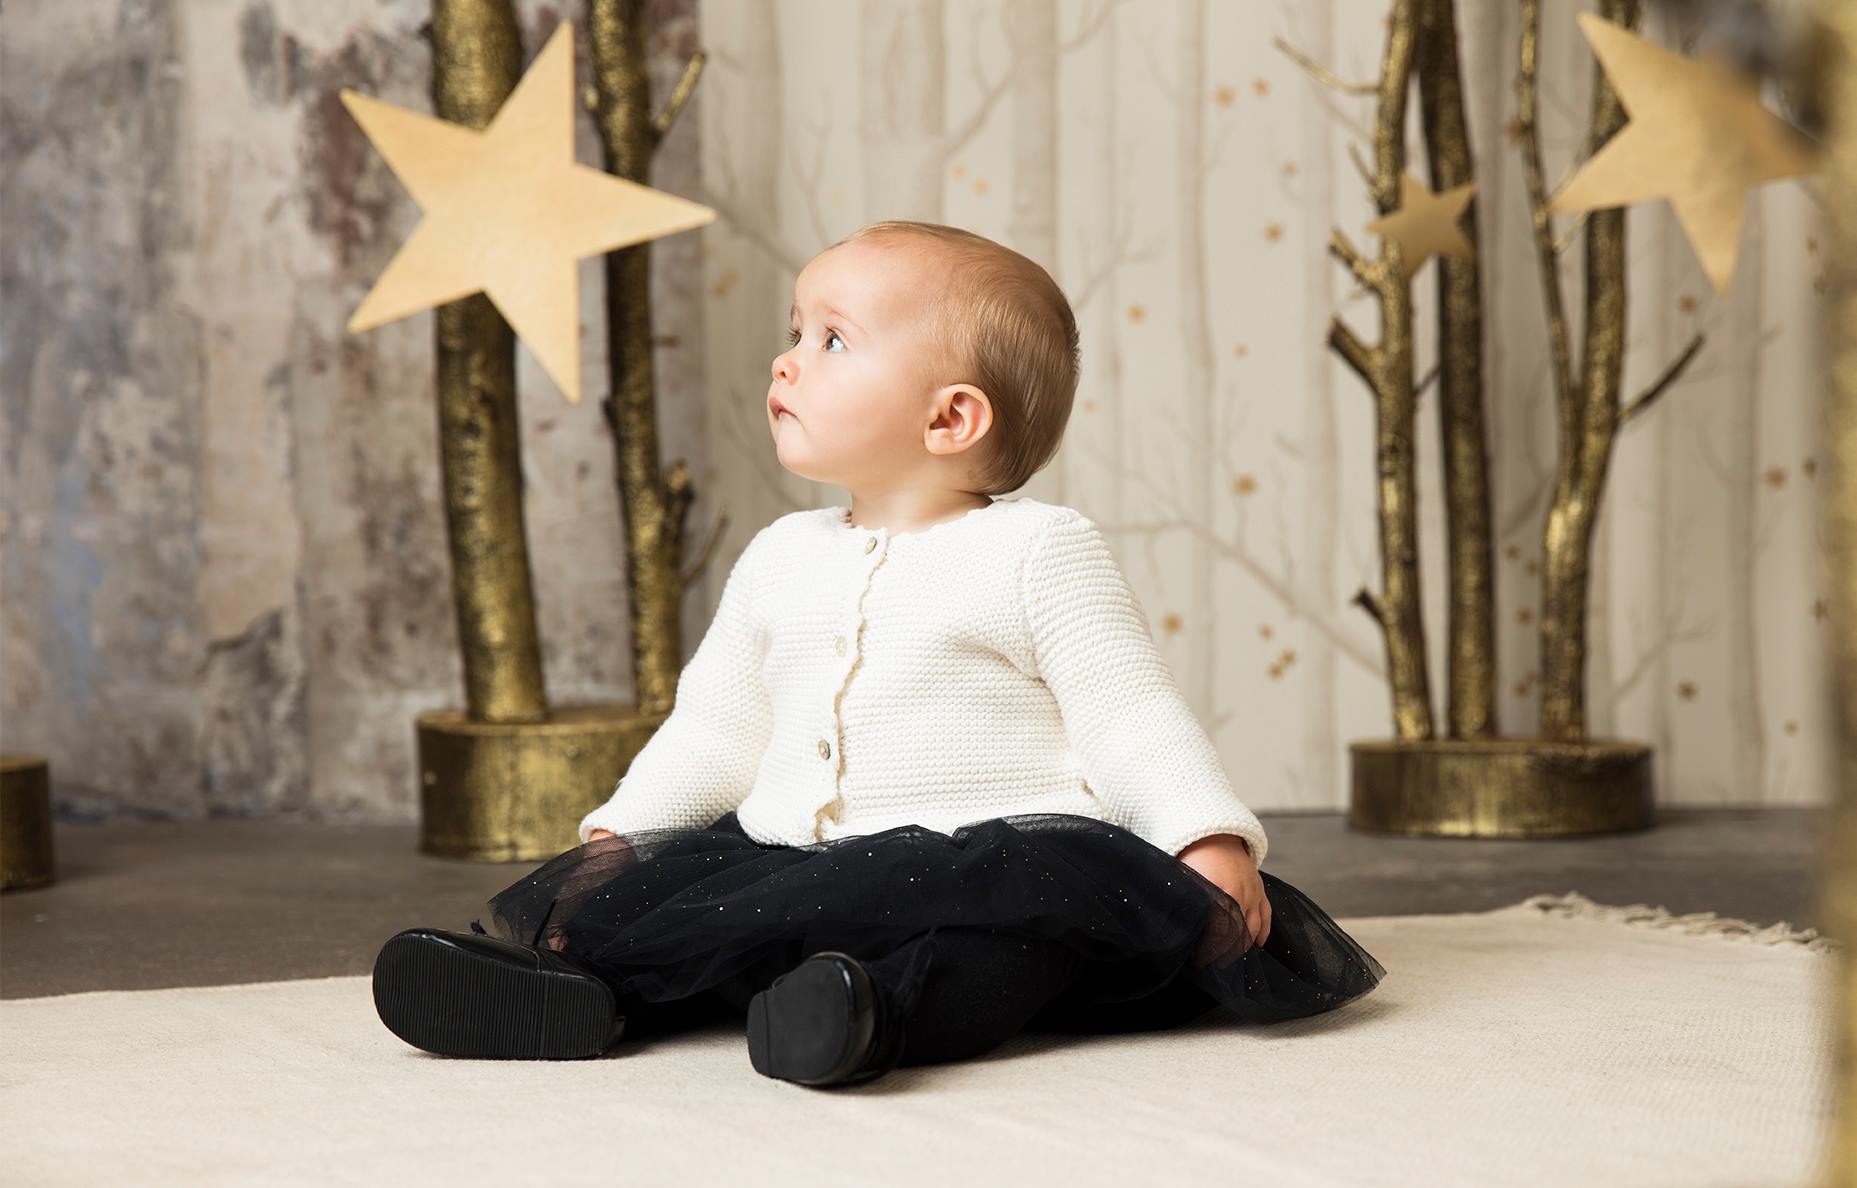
<point x="140" y="906"/>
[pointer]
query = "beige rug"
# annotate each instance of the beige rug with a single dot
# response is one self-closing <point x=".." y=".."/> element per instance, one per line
<point x="1554" y="1042"/>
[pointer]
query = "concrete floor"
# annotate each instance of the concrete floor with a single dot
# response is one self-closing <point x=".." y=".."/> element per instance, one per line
<point x="141" y="906"/>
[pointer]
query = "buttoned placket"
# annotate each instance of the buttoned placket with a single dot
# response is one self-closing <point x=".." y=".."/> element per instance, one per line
<point x="846" y="646"/>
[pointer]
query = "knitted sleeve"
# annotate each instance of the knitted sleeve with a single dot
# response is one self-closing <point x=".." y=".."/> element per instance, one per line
<point x="1141" y="749"/>
<point x="701" y="761"/>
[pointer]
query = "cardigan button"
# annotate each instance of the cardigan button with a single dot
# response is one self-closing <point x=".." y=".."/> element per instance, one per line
<point x="841" y="645"/>
<point x="870" y="544"/>
<point x="825" y="749"/>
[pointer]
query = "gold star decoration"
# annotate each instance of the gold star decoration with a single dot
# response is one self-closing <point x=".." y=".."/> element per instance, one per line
<point x="508" y="211"/>
<point x="1698" y="136"/>
<point x="1425" y="223"/>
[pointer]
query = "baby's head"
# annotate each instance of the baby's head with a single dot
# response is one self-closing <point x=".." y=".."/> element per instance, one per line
<point x="923" y="357"/>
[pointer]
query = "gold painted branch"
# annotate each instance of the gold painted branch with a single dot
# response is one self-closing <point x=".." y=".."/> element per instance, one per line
<point x="1471" y="647"/>
<point x="476" y="60"/>
<point x="1386" y="368"/>
<point x="654" y="504"/>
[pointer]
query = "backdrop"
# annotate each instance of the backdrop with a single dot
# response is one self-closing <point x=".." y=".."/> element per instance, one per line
<point x="221" y="539"/>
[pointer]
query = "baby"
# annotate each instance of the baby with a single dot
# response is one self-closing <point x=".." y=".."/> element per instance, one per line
<point x="905" y="383"/>
<point x="927" y="781"/>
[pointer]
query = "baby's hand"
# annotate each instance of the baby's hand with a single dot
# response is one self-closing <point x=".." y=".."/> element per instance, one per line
<point x="596" y="834"/>
<point x="1225" y="860"/>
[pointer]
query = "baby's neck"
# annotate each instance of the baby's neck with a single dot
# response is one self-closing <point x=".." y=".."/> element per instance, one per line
<point x="908" y="513"/>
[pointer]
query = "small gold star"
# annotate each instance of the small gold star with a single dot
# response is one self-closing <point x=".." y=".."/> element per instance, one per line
<point x="1425" y="223"/>
<point x="1136" y="313"/>
<point x="1224" y="96"/>
<point x="1686" y="690"/>
<point x="1170" y="623"/>
<point x="1775" y="477"/>
<point x="1261" y="86"/>
<point x="1244" y="484"/>
<point x="1273" y="232"/>
<point x="1265" y="631"/>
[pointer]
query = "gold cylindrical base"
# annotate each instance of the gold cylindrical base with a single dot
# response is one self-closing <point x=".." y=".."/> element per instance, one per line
<point x="516" y="792"/>
<point x="26" y="858"/>
<point x="1502" y="787"/>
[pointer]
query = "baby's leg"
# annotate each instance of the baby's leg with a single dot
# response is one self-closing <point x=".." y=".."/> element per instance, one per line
<point x="980" y="989"/>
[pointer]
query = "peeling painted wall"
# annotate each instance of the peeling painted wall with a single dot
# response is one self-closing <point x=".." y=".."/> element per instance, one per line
<point x="224" y="582"/>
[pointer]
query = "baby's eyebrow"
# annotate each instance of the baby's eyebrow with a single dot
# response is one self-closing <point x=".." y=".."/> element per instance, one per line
<point x="794" y="313"/>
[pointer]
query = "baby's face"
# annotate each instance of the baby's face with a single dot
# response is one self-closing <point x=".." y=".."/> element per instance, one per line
<point x="851" y="399"/>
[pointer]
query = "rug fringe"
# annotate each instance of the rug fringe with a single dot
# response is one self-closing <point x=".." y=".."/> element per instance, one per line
<point x="1578" y="906"/>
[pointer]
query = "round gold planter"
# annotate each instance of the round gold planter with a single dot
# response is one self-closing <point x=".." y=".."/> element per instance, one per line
<point x="516" y="792"/>
<point x="25" y="822"/>
<point x="1504" y="787"/>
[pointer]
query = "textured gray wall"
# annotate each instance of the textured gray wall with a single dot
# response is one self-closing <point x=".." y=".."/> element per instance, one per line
<point x="223" y="567"/>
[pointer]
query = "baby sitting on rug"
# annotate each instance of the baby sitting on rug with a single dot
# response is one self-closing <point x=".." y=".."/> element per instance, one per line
<point x="928" y="782"/>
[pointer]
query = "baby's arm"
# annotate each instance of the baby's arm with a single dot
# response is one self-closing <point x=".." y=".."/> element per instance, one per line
<point x="702" y="761"/>
<point x="1139" y="745"/>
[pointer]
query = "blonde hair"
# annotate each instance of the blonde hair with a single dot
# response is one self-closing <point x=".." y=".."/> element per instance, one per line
<point x="1009" y="331"/>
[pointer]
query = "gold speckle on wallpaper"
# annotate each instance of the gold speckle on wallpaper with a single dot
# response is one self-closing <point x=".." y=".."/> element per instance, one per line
<point x="1289" y="169"/>
<point x="1244" y="484"/>
<point x="1512" y="552"/>
<point x="1136" y="313"/>
<point x="1820" y="608"/>
<point x="1792" y="727"/>
<point x="1809" y="467"/>
<point x="1170" y="622"/>
<point x="1774" y="476"/>
<point x="1686" y="303"/>
<point x="1525" y="616"/>
<point x="980" y="185"/>
<point x="1686" y="690"/>
<point x="958" y="169"/>
<point x="1224" y="96"/>
<point x="724" y="283"/>
<point x="1261" y="85"/>
<point x="1089" y="406"/>
<point x="1273" y="232"/>
<point x="1282" y="663"/>
<point x="1241" y="350"/>
<point x="1264" y="631"/>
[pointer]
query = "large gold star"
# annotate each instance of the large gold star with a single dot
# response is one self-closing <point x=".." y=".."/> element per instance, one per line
<point x="1425" y="223"/>
<point x="508" y="211"/>
<point x="1698" y="136"/>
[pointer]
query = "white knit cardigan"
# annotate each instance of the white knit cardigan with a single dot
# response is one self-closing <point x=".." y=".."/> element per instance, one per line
<point x="855" y="679"/>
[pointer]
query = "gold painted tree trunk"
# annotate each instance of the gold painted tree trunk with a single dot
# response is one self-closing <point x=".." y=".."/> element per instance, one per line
<point x="654" y="503"/>
<point x="1471" y="650"/>
<point x="476" y="61"/>
<point x="1386" y="368"/>
<point x="1587" y="395"/>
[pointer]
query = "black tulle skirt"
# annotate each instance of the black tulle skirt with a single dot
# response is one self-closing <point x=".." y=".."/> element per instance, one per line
<point x="669" y="914"/>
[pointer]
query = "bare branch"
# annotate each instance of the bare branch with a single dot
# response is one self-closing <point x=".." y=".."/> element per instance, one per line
<point x="1321" y="74"/>
<point x="1663" y="381"/>
<point x="1367" y="602"/>
<point x="662" y="125"/>
<point x="1353" y="351"/>
<point x="1340" y="247"/>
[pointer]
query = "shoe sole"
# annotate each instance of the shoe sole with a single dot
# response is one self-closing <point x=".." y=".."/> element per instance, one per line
<point x="454" y="1002"/>
<point x="804" y="1028"/>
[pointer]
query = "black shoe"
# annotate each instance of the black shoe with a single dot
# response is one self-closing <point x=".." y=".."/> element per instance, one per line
<point x="819" y="1023"/>
<point x="469" y="994"/>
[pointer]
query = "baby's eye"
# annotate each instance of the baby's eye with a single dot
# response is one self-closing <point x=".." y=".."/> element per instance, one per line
<point x="793" y="337"/>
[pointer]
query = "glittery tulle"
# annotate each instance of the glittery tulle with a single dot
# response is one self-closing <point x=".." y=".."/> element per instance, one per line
<point x="667" y="914"/>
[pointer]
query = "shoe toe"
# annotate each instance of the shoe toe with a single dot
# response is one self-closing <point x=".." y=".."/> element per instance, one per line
<point x="816" y="1024"/>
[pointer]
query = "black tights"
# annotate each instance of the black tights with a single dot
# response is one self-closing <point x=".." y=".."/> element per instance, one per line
<point x="973" y="989"/>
